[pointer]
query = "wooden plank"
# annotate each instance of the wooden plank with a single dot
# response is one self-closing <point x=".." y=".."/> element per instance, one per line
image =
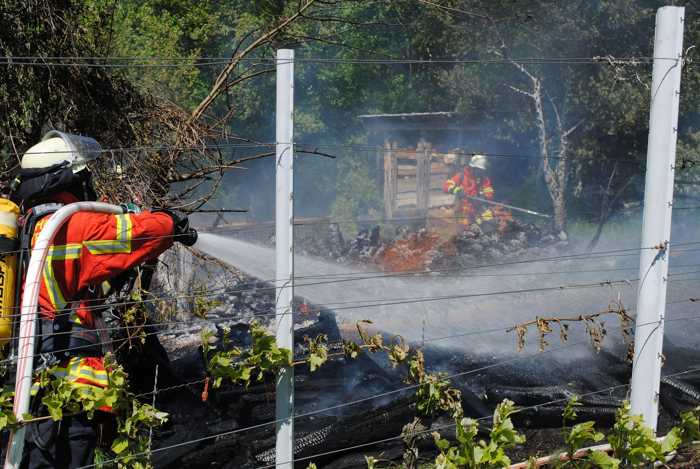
<point x="408" y="198"/>
<point x="438" y="199"/>
<point x="405" y="170"/>
<point x="379" y="165"/>
<point x="406" y="154"/>
<point x="390" y="176"/>
<point x="406" y="184"/>
<point x="423" y="178"/>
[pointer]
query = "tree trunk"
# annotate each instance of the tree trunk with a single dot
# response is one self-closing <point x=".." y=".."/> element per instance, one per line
<point x="555" y="173"/>
<point x="559" y="205"/>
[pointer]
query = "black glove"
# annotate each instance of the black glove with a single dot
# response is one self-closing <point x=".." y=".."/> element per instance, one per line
<point x="183" y="233"/>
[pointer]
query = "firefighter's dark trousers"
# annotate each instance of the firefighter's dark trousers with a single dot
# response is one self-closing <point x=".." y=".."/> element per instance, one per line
<point x="66" y="444"/>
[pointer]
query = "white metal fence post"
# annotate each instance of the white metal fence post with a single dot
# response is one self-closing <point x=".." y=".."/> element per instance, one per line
<point x="658" y="199"/>
<point x="284" y="254"/>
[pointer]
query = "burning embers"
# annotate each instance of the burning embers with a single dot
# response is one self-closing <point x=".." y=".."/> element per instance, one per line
<point x="414" y="253"/>
<point x="429" y="250"/>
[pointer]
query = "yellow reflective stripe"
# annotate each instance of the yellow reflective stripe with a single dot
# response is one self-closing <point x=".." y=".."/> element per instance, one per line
<point x="58" y="253"/>
<point x="487" y="190"/>
<point x="89" y="372"/>
<point x="77" y="369"/>
<point x="65" y="252"/>
<point x="487" y="215"/>
<point x="88" y="387"/>
<point x="122" y="243"/>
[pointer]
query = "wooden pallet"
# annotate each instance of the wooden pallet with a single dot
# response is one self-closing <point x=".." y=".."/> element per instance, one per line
<point x="413" y="179"/>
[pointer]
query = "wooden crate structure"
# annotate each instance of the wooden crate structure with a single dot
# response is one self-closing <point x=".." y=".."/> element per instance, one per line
<point x="413" y="179"/>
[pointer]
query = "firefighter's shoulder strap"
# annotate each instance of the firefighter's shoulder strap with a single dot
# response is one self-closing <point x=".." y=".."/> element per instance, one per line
<point x="60" y="337"/>
<point x="28" y="224"/>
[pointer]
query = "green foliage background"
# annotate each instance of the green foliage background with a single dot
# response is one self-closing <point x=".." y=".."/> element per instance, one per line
<point x="610" y="98"/>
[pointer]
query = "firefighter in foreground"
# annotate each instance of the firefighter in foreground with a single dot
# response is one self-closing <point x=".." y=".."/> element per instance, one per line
<point x="90" y="249"/>
<point x="469" y="184"/>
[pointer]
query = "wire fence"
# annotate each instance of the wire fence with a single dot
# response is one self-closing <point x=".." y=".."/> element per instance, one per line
<point x="359" y="303"/>
<point x="339" y="279"/>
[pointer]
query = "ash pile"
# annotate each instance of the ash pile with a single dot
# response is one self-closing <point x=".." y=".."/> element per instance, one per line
<point x="414" y="248"/>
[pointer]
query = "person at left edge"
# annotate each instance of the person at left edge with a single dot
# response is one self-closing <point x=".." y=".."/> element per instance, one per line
<point x="88" y="250"/>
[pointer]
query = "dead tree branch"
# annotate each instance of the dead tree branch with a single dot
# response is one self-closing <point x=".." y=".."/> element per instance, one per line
<point x="220" y="83"/>
<point x="595" y="328"/>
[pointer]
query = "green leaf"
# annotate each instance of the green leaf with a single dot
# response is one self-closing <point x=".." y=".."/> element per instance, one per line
<point x="478" y="454"/>
<point x="442" y="444"/>
<point x="569" y="413"/>
<point x="315" y="361"/>
<point x="671" y="441"/>
<point x="55" y="408"/>
<point x="603" y="460"/>
<point x="120" y="445"/>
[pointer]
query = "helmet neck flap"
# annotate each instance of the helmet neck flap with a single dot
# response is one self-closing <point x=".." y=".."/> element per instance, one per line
<point x="38" y="185"/>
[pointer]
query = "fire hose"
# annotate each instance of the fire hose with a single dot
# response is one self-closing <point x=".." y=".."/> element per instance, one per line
<point x="28" y="314"/>
<point x="511" y="207"/>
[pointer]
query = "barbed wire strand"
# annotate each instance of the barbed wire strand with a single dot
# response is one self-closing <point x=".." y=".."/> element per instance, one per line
<point x="138" y="62"/>
<point x="306" y="148"/>
<point x="167" y="296"/>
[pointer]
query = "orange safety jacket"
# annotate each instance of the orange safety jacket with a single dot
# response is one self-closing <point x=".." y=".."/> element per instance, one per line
<point x="87" y="250"/>
<point x="466" y="182"/>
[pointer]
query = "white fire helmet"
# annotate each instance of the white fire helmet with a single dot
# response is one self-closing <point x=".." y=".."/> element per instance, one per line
<point x="478" y="161"/>
<point x="56" y="147"/>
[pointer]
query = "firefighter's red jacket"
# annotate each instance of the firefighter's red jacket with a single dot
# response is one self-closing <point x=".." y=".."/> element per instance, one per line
<point x="466" y="182"/>
<point x="87" y="250"/>
<point x="470" y="184"/>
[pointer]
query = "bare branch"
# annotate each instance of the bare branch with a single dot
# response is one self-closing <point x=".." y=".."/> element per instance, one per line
<point x="573" y="128"/>
<point x="220" y="83"/>
<point x="247" y="77"/>
<point x="316" y="152"/>
<point x="518" y="90"/>
<point x="216" y="169"/>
